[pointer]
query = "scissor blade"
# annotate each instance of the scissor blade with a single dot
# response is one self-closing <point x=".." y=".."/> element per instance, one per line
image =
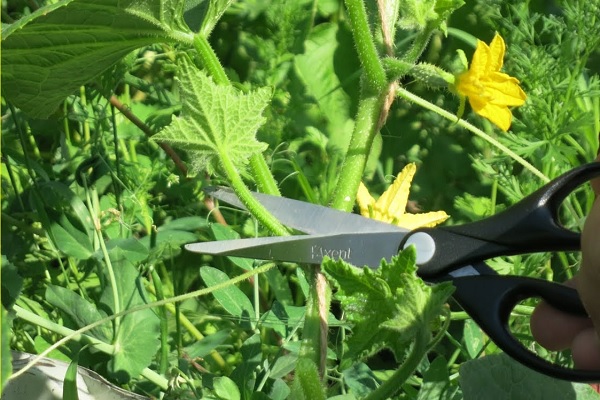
<point x="306" y="217"/>
<point x="357" y="249"/>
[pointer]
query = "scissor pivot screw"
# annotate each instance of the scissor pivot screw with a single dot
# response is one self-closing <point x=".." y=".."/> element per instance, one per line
<point x="424" y="244"/>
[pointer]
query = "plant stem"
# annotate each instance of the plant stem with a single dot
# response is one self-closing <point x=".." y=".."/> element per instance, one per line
<point x="246" y="197"/>
<point x="98" y="231"/>
<point x="127" y="113"/>
<point x="35" y="319"/>
<point x="164" y="322"/>
<point x="78" y="334"/>
<point x="61" y="330"/>
<point x="264" y="178"/>
<point x="418" y="45"/>
<point x="410" y="364"/>
<point x="373" y="73"/>
<point x="371" y="103"/>
<point x="209" y="60"/>
<point x="472" y="128"/>
<point x="192" y="330"/>
<point x="365" y="129"/>
<point x="314" y="332"/>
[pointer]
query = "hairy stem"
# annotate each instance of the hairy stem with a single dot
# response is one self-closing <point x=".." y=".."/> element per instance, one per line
<point x="209" y="60"/>
<point x="365" y="129"/>
<point x="265" y="181"/>
<point x="373" y="72"/>
<point x="249" y="201"/>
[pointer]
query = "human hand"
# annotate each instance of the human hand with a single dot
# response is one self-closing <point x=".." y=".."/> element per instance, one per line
<point x="556" y="330"/>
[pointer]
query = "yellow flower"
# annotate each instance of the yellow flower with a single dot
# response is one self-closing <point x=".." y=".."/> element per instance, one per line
<point x="490" y="91"/>
<point x="391" y="206"/>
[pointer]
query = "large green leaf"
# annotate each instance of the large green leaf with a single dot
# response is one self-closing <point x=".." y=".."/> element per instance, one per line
<point x="387" y="307"/>
<point x="205" y="346"/>
<point x="217" y="122"/>
<point x="500" y="377"/>
<point x="48" y="55"/>
<point x="330" y="70"/>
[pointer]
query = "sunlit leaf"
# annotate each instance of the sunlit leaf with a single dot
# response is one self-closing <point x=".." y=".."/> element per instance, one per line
<point x="51" y="53"/>
<point x="405" y="305"/>
<point x="217" y="122"/>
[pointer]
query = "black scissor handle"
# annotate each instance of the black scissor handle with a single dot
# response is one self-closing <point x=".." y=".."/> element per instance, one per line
<point x="489" y="300"/>
<point x="529" y="226"/>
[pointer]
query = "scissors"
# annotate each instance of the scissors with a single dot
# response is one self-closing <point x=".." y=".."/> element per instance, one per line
<point x="454" y="253"/>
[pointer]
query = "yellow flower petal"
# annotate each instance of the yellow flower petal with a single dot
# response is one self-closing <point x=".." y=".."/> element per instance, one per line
<point x="498" y="115"/>
<point x="391" y="206"/>
<point x="423" y="220"/>
<point x="365" y="201"/>
<point x="393" y="201"/>
<point x="490" y="92"/>
<point x="480" y="61"/>
<point x="497" y="50"/>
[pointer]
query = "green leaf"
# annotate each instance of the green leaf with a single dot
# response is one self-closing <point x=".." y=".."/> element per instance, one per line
<point x="70" y="383"/>
<point x="6" y="362"/>
<point x="283" y="366"/>
<point x="51" y="53"/>
<point x="280" y="286"/>
<point x="130" y="249"/>
<point x="65" y="218"/>
<point x="225" y="388"/>
<point x="330" y="69"/>
<point x="203" y="15"/>
<point x="231" y="298"/>
<point x="387" y="307"/>
<point x="203" y="347"/>
<point x="185" y="224"/>
<point x="360" y="380"/>
<point x="420" y="14"/>
<point x="283" y="319"/>
<point x="474" y="338"/>
<point x="70" y="240"/>
<point x="245" y="373"/>
<point x="216" y="121"/>
<point x="137" y="335"/>
<point x="12" y="283"/>
<point x="280" y="390"/>
<point x="436" y="382"/>
<point x="500" y="377"/>
<point x="79" y="310"/>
